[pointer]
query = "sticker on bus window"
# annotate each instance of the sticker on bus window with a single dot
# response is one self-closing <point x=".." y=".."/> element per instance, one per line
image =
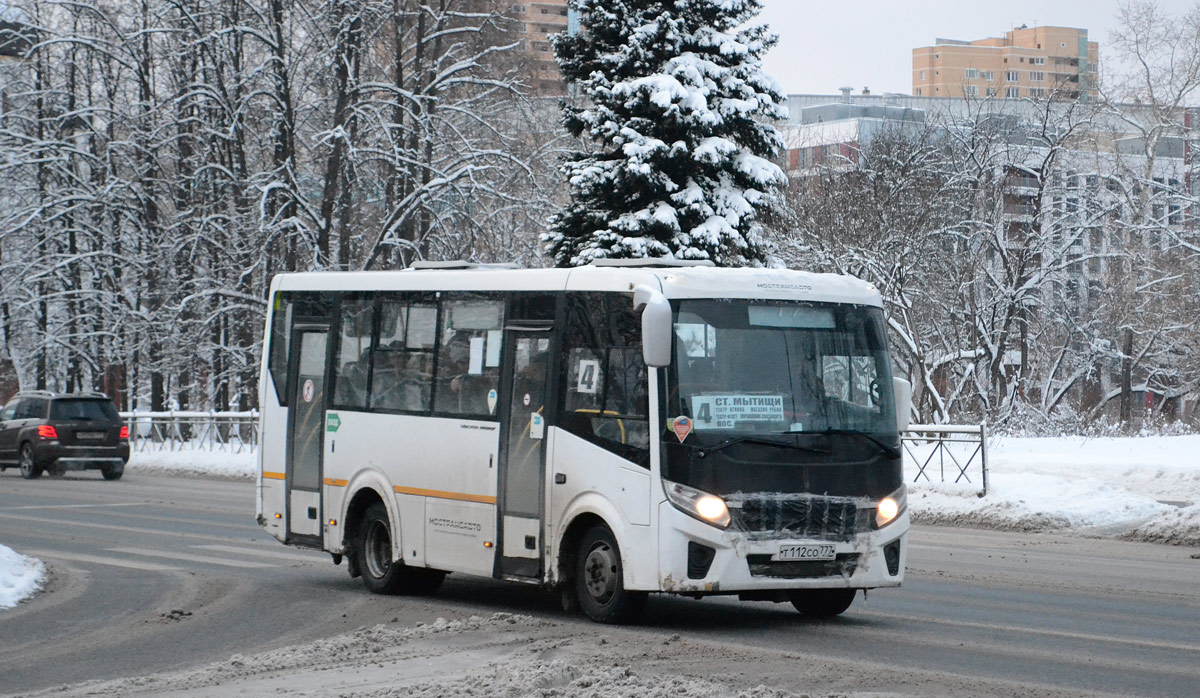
<point x="492" y="401"/>
<point x="309" y="391"/>
<point x="475" y="367"/>
<point x="727" y="411"/>
<point x="493" y="348"/>
<point x="588" y="377"/>
<point x="537" y="426"/>
<point x="682" y="426"/>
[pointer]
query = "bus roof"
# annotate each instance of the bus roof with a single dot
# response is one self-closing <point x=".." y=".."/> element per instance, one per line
<point x="674" y="282"/>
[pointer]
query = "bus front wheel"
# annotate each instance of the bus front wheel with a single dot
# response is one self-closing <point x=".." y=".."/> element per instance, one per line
<point x="822" y="603"/>
<point x="380" y="573"/>
<point x="599" y="580"/>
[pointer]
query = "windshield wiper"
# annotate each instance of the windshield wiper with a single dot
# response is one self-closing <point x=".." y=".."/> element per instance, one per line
<point x="888" y="449"/>
<point x="705" y="450"/>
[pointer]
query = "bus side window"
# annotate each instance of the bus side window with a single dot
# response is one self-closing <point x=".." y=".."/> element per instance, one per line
<point x="605" y="398"/>
<point x="403" y="374"/>
<point x="277" y="360"/>
<point x="468" y="365"/>
<point x="353" y="364"/>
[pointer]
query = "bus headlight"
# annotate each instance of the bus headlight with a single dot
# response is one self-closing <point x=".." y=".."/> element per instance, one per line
<point x="708" y="508"/>
<point x="890" y="507"/>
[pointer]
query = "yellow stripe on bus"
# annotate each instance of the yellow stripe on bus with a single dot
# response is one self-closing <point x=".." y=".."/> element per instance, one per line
<point x="273" y="476"/>
<point x="336" y="483"/>
<point x="439" y="494"/>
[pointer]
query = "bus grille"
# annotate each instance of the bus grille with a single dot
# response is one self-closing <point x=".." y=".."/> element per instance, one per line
<point x="764" y="566"/>
<point x="798" y="516"/>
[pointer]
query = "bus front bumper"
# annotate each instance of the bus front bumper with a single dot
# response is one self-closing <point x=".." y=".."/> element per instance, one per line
<point x="699" y="559"/>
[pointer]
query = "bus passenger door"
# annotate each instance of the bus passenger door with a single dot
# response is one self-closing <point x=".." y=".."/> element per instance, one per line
<point x="522" y="461"/>
<point x="306" y="431"/>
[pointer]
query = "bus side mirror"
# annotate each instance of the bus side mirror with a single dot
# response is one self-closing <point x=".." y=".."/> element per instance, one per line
<point x="902" y="390"/>
<point x="656" y="325"/>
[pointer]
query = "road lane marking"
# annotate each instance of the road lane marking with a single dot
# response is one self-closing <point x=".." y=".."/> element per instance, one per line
<point x="975" y="625"/>
<point x="190" y="558"/>
<point x="109" y="527"/>
<point x="74" y="506"/>
<point x="282" y="555"/>
<point x="113" y="561"/>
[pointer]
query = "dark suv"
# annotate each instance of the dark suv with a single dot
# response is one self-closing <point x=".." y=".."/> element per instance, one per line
<point x="58" y="432"/>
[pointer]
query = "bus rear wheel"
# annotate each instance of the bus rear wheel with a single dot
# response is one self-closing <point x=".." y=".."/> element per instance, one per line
<point x="599" y="580"/>
<point x="380" y="573"/>
<point x="822" y="603"/>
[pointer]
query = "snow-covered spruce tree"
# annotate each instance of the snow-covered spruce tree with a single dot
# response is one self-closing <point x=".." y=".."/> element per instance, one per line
<point x="673" y="98"/>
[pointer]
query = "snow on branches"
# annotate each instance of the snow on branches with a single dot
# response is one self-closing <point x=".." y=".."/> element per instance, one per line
<point x="672" y="95"/>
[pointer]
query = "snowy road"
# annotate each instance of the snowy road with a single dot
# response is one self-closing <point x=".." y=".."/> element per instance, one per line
<point x="155" y="574"/>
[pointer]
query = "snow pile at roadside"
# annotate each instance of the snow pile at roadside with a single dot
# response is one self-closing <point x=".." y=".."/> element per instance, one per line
<point x="502" y="655"/>
<point x="1143" y="488"/>
<point x="195" y="463"/>
<point x="20" y="577"/>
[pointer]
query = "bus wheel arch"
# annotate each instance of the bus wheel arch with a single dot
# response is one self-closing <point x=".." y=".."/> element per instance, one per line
<point x="381" y="572"/>
<point x="371" y="550"/>
<point x="592" y="572"/>
<point x="353" y="518"/>
<point x="568" y="547"/>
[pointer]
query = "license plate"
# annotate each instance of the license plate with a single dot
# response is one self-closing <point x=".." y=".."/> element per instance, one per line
<point x="810" y="551"/>
<point x="89" y="435"/>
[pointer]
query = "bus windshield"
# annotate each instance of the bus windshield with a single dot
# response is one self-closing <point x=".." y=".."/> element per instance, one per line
<point x="759" y="368"/>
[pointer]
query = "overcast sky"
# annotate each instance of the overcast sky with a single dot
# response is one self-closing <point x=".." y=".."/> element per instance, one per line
<point x="825" y="44"/>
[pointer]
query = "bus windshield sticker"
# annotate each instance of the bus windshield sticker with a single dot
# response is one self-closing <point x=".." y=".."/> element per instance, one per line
<point x="537" y="426"/>
<point x="727" y="411"/>
<point x="492" y="401"/>
<point x="493" y="348"/>
<point x="589" y="377"/>
<point x="682" y="426"/>
<point x="475" y="368"/>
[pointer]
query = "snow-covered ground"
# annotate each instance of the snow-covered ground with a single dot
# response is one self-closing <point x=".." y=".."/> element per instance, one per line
<point x="1144" y="488"/>
<point x="224" y="464"/>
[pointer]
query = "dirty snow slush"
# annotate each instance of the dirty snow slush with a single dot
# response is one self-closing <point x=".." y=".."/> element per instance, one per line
<point x="516" y="655"/>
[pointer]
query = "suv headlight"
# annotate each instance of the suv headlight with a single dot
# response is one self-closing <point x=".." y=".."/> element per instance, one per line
<point x="891" y="506"/>
<point x="706" y="507"/>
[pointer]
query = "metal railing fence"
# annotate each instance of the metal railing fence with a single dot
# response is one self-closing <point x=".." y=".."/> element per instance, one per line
<point x="958" y="451"/>
<point x="955" y="451"/>
<point x="234" y="432"/>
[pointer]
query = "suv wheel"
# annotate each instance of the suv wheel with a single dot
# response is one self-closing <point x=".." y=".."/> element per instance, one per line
<point x="113" y="472"/>
<point x="30" y="470"/>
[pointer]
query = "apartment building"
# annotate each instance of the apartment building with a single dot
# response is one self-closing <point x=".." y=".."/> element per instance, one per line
<point x="1027" y="62"/>
<point x="1075" y="211"/>
<point x="536" y="21"/>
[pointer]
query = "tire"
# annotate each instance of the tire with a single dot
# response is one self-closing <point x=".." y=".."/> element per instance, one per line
<point x="380" y="573"/>
<point x="599" y="580"/>
<point x="822" y="603"/>
<point x="30" y="470"/>
<point x="113" y="473"/>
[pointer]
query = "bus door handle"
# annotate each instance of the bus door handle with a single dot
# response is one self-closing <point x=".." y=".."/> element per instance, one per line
<point x="560" y="478"/>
